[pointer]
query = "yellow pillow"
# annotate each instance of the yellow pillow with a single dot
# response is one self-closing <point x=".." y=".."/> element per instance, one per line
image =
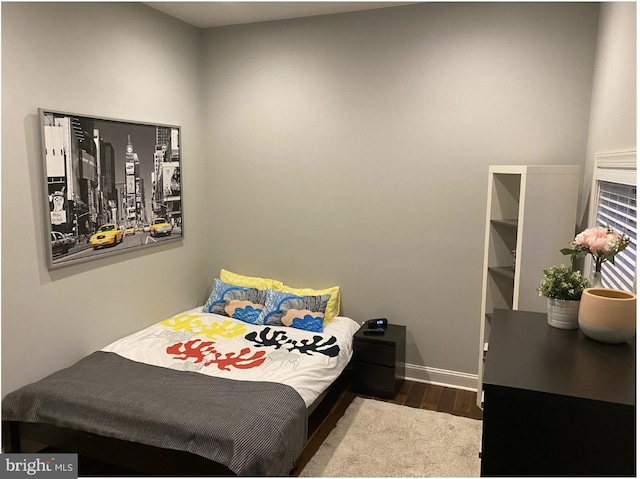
<point x="333" y="306"/>
<point x="249" y="281"/>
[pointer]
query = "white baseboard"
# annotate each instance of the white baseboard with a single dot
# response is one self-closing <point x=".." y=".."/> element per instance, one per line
<point x="441" y="377"/>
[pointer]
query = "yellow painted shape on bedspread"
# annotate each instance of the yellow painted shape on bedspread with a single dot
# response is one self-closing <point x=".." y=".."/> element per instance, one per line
<point x="216" y="329"/>
<point x="223" y="329"/>
<point x="182" y="322"/>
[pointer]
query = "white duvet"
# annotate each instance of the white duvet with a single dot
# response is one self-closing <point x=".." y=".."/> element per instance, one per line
<point x="228" y="348"/>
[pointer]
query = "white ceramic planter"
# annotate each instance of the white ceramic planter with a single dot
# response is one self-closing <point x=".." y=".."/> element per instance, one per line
<point x="562" y="314"/>
<point x="608" y="315"/>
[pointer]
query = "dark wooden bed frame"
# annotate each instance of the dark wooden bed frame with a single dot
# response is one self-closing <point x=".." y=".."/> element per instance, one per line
<point x="142" y="458"/>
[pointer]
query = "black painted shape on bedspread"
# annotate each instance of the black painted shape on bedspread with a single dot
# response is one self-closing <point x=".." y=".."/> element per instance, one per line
<point x="269" y="337"/>
<point x="254" y="428"/>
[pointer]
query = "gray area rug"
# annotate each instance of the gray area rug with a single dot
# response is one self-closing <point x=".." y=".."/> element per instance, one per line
<point x="379" y="439"/>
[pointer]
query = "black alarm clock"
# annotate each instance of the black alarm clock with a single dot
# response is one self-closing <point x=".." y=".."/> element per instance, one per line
<point x="376" y="326"/>
<point x="377" y="323"/>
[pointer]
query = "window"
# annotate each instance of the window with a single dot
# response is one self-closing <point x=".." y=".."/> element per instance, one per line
<point x="613" y="203"/>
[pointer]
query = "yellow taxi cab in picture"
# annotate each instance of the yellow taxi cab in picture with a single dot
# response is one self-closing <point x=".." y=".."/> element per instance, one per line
<point x="107" y="234"/>
<point x="160" y="226"/>
<point x="131" y="230"/>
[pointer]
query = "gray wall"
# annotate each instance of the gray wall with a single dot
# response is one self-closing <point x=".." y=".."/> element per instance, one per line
<point x="120" y="60"/>
<point x="349" y="149"/>
<point x="353" y="149"/>
<point x="613" y="116"/>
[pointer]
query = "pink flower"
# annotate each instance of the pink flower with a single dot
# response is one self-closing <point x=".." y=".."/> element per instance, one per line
<point x="600" y="242"/>
<point x="594" y="239"/>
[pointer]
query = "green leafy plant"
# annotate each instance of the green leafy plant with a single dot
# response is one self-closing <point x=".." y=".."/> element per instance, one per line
<point x="560" y="282"/>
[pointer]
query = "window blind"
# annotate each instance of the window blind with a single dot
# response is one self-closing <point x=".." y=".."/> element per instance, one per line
<point x="616" y="207"/>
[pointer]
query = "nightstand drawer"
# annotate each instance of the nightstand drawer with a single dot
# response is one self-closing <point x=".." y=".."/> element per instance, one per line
<point x="375" y="380"/>
<point x="374" y="353"/>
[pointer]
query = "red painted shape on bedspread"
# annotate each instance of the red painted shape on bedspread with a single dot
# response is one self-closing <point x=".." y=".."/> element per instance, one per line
<point x="238" y="361"/>
<point x="194" y="349"/>
<point x="198" y="350"/>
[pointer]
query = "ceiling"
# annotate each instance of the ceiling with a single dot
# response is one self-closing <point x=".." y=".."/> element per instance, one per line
<point x="216" y="14"/>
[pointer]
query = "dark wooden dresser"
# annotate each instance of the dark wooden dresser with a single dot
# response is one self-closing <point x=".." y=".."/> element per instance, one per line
<point x="556" y="403"/>
<point x="378" y="361"/>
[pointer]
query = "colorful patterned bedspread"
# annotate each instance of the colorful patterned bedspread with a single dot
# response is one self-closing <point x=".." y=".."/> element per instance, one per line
<point x="228" y="348"/>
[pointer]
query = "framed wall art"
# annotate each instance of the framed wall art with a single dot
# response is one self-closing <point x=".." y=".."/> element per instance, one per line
<point x="111" y="186"/>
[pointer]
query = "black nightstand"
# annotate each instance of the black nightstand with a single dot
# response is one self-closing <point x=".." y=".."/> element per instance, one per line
<point x="378" y="361"/>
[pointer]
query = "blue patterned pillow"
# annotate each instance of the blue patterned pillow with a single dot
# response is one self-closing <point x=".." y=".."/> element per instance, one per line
<point x="237" y="302"/>
<point x="301" y="312"/>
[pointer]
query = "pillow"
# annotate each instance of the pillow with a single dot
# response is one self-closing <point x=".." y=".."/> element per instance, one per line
<point x="249" y="281"/>
<point x="238" y="302"/>
<point x="301" y="312"/>
<point x="333" y="307"/>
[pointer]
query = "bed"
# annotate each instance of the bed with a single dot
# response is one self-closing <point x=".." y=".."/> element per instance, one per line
<point x="199" y="393"/>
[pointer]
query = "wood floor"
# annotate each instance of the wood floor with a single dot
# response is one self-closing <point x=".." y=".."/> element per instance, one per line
<point x="412" y="394"/>
<point x="438" y="398"/>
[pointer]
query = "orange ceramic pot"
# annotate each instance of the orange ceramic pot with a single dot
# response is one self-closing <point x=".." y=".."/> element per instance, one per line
<point x="608" y="315"/>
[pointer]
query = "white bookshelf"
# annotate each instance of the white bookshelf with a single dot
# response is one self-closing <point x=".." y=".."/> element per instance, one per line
<point x="531" y="210"/>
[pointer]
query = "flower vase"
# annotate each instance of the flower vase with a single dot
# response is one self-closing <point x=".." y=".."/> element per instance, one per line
<point x="562" y="314"/>
<point x="596" y="280"/>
